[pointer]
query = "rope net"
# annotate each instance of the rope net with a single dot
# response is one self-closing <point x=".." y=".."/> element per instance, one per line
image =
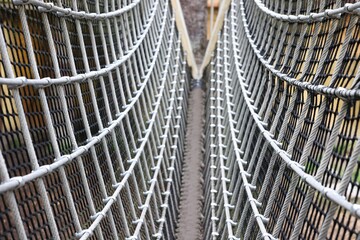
<point x="93" y="99"/>
<point x="283" y="114"/>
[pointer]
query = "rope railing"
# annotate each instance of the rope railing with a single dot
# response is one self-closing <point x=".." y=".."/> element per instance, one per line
<point x="350" y="8"/>
<point x="11" y="184"/>
<point x="286" y="87"/>
<point x="22" y="81"/>
<point x="58" y="9"/>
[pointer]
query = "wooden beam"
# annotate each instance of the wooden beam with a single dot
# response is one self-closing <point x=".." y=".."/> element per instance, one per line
<point x="214" y="35"/>
<point x="186" y="43"/>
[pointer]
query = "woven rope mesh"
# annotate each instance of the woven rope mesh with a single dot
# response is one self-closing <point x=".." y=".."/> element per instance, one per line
<point x="283" y="114"/>
<point x="92" y="98"/>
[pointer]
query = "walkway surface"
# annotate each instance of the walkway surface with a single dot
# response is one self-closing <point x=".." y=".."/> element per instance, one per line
<point x="189" y="225"/>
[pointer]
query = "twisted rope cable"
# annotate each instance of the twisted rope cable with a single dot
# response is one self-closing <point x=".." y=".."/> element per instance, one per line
<point x="171" y="168"/>
<point x="219" y="127"/>
<point x="319" y="89"/>
<point x="252" y="83"/>
<point x="87" y="233"/>
<point x="13" y="183"/>
<point x="244" y="174"/>
<point x="45" y="82"/>
<point x="68" y="12"/>
<point x="298" y="169"/>
<point x="351" y="8"/>
<point x="128" y="84"/>
<point x="211" y="193"/>
<point x="160" y="156"/>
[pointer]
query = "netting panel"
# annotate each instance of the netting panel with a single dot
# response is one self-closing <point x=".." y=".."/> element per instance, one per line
<point x="282" y="135"/>
<point x="92" y="106"/>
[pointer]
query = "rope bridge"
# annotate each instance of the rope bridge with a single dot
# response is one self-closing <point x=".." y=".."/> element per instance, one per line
<point x="93" y="101"/>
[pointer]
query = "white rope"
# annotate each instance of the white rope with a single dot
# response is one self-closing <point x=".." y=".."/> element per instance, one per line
<point x="44" y="82"/>
<point x="11" y="184"/>
<point x="298" y="169"/>
<point x="68" y="12"/>
<point x="351" y="8"/>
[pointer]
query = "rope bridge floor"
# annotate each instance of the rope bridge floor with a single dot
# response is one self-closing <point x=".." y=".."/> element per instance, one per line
<point x="106" y="134"/>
